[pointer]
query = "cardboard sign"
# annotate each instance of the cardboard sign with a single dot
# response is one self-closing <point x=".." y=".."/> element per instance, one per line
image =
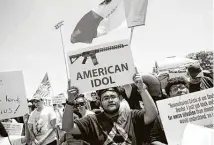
<point x="13" y="128"/>
<point x="195" y="108"/>
<point x="197" y="135"/>
<point x="4" y="141"/>
<point x="59" y="99"/>
<point x="101" y="66"/>
<point x="13" y="101"/>
<point x="48" y="101"/>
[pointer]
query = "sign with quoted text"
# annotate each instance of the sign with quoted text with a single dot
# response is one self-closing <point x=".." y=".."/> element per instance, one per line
<point x="13" y="101"/>
<point x="13" y="128"/>
<point x="101" y="66"/>
<point x="177" y="112"/>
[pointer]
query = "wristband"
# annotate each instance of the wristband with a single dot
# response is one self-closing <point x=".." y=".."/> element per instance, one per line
<point x="70" y="103"/>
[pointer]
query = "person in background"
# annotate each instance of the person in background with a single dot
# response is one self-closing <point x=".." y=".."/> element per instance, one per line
<point x="80" y="105"/>
<point x="198" y="81"/>
<point x="95" y="103"/>
<point x="111" y="126"/>
<point x="42" y="124"/>
<point x="175" y="87"/>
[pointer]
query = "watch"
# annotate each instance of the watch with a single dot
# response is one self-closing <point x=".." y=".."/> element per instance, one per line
<point x="70" y="103"/>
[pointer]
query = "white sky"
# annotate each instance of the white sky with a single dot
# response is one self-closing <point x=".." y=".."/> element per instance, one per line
<point x="29" y="41"/>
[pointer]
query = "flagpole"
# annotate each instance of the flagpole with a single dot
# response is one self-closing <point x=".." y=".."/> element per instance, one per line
<point x="130" y="40"/>
<point x="58" y="26"/>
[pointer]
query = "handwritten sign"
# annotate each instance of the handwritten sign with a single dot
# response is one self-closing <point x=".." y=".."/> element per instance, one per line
<point x="59" y="99"/>
<point x="4" y="141"/>
<point x="195" y="108"/>
<point x="13" y="101"/>
<point x="13" y="128"/>
<point x="101" y="66"/>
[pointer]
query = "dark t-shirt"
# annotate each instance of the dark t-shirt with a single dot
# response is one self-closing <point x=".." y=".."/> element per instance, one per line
<point x="157" y="132"/>
<point x="98" y="129"/>
<point x="205" y="83"/>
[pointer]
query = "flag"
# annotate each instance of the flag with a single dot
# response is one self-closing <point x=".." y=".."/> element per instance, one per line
<point x="105" y="17"/>
<point x="44" y="89"/>
<point x="135" y="11"/>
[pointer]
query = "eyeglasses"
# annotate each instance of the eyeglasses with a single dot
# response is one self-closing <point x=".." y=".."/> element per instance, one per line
<point x="106" y="98"/>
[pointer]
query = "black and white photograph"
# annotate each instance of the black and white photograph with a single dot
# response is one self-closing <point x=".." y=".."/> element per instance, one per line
<point x="106" y="72"/>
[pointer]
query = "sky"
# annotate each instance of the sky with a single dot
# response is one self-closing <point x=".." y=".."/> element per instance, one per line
<point x="29" y="41"/>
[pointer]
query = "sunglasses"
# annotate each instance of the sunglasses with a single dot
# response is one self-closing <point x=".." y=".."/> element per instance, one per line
<point x="80" y="104"/>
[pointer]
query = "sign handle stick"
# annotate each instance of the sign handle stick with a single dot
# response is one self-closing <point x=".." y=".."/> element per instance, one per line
<point x="58" y="26"/>
<point x="132" y="30"/>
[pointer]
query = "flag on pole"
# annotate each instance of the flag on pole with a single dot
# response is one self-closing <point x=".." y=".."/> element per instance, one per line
<point x="135" y="11"/>
<point x="105" y="17"/>
<point x="44" y="89"/>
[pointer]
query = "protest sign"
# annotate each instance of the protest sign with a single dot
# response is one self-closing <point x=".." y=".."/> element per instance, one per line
<point x="4" y="141"/>
<point x="13" y="128"/>
<point x="59" y="99"/>
<point x="202" y="135"/>
<point x="101" y="66"/>
<point x="195" y="108"/>
<point x="180" y="72"/>
<point x="48" y="101"/>
<point x="13" y="101"/>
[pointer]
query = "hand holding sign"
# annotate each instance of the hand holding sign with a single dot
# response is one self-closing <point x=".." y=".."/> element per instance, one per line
<point x="139" y="81"/>
<point x="72" y="92"/>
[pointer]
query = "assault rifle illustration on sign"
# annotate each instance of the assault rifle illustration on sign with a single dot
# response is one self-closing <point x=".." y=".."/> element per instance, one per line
<point x="92" y="53"/>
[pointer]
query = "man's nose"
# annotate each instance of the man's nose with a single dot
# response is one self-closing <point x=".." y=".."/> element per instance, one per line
<point x="110" y="99"/>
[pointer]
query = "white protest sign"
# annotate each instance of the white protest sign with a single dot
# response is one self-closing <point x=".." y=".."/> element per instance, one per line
<point x="195" y="108"/>
<point x="197" y="135"/>
<point x="48" y="101"/>
<point x="4" y="141"/>
<point x="13" y="101"/>
<point x="180" y="72"/>
<point x="13" y="128"/>
<point x="59" y="99"/>
<point x="101" y="66"/>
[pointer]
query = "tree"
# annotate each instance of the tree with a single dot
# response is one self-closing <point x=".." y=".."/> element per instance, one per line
<point x="205" y="58"/>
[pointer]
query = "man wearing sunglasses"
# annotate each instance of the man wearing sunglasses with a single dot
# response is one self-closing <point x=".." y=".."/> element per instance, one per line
<point x="80" y="105"/>
<point x="41" y="123"/>
<point x="198" y="81"/>
<point x="112" y="126"/>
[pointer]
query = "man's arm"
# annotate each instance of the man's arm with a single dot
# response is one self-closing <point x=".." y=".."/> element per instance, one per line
<point x="68" y="124"/>
<point x="32" y="135"/>
<point x="150" y="108"/>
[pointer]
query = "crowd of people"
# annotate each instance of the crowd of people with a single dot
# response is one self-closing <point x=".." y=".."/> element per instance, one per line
<point x="122" y="115"/>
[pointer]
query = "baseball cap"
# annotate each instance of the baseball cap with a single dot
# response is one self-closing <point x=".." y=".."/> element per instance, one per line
<point x="100" y="92"/>
<point x="36" y="97"/>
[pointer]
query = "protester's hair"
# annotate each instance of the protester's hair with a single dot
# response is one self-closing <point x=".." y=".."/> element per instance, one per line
<point x="3" y="132"/>
<point x="174" y="81"/>
<point x="194" y="68"/>
<point x="115" y="89"/>
<point x="80" y="96"/>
